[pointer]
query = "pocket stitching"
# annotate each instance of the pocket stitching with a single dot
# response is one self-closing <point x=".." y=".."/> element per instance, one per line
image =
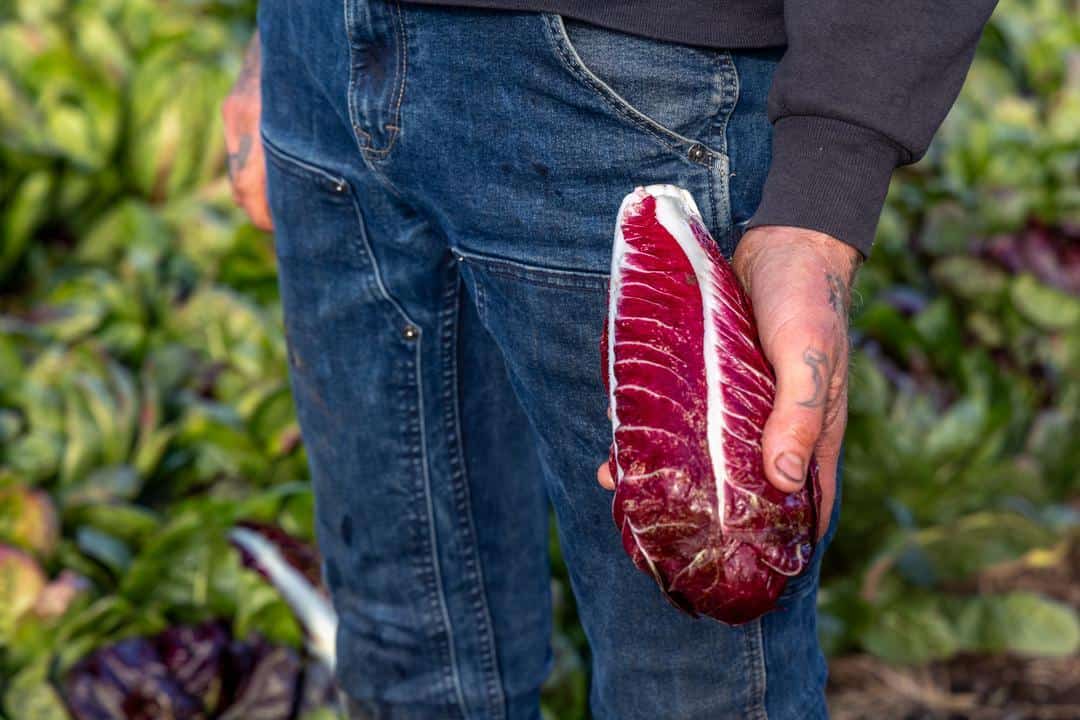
<point x="368" y="146"/>
<point x="573" y="62"/>
<point x="304" y="170"/>
<point x="539" y="274"/>
<point x="310" y="172"/>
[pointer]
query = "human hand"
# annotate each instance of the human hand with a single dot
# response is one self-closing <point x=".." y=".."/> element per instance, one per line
<point x="246" y="163"/>
<point x="799" y="283"/>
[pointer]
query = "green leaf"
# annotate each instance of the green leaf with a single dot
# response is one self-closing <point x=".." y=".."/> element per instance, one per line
<point x="130" y="524"/>
<point x="25" y="211"/>
<point x="1020" y="622"/>
<point x="913" y="632"/>
<point x="958" y="431"/>
<point x="971" y="279"/>
<point x="106" y="549"/>
<point x="1044" y="306"/>
<point x="966" y="546"/>
<point x="30" y="695"/>
<point x="1034" y="625"/>
<point x="106" y="484"/>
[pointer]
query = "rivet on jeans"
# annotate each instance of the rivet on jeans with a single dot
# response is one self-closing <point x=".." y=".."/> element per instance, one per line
<point x="410" y="332"/>
<point x="697" y="152"/>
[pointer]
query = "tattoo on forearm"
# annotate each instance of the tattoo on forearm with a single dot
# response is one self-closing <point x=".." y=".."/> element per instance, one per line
<point x="237" y="160"/>
<point x="818" y="362"/>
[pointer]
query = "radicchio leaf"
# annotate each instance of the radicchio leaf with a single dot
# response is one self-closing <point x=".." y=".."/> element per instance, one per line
<point x="195" y="673"/>
<point x="128" y="680"/>
<point x="292" y="568"/>
<point x="194" y="656"/>
<point x="690" y="391"/>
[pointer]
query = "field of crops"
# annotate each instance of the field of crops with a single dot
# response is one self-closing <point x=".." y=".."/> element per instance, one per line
<point x="144" y="404"/>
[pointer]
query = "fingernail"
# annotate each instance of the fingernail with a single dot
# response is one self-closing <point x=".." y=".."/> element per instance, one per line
<point x="791" y="466"/>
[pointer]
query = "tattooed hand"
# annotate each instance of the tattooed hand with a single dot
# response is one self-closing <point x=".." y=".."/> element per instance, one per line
<point x="799" y="282"/>
<point x="247" y="171"/>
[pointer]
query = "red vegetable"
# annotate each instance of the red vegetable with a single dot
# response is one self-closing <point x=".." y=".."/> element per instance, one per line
<point x="195" y="672"/>
<point x="690" y="391"/>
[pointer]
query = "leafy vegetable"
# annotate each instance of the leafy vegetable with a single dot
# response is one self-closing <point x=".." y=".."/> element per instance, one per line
<point x="690" y="392"/>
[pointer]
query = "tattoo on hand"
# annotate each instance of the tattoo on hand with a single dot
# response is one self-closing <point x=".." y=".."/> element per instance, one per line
<point x="237" y="160"/>
<point x="838" y="294"/>
<point x="818" y="362"/>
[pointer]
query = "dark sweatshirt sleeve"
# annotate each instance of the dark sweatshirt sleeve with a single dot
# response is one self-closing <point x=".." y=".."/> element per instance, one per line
<point x="861" y="89"/>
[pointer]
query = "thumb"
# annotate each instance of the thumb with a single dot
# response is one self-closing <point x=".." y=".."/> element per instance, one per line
<point x="803" y="372"/>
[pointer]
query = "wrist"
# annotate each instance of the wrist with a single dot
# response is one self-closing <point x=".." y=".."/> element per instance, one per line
<point x="819" y="248"/>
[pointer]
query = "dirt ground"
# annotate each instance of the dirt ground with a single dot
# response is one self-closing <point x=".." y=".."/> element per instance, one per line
<point x="965" y="688"/>
<point x="970" y="687"/>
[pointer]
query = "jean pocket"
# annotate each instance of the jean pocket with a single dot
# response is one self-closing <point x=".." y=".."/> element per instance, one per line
<point x="535" y="274"/>
<point x="320" y="236"/>
<point x="378" y="61"/>
<point x="680" y="95"/>
<point x="335" y="186"/>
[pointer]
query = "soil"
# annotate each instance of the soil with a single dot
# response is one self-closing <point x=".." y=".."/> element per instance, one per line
<point x="971" y="687"/>
<point x="964" y="688"/>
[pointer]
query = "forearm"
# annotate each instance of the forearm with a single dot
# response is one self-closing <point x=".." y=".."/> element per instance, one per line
<point x="862" y="89"/>
<point x="241" y="112"/>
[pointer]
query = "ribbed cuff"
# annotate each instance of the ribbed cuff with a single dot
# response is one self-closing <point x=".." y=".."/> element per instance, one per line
<point x="827" y="175"/>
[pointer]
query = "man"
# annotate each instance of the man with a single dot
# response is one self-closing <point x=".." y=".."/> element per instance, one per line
<point x="442" y="183"/>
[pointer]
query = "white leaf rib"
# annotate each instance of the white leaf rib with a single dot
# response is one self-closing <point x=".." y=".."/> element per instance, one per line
<point x="639" y="361"/>
<point x="655" y="321"/>
<point x="649" y="429"/>
<point x="660" y="396"/>
<point x="651" y="346"/>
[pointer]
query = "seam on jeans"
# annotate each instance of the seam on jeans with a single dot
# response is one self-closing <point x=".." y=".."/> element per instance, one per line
<point x="310" y="172"/>
<point x="755" y="659"/>
<point x="541" y="274"/>
<point x="303" y="169"/>
<point x="403" y="41"/>
<point x="412" y="430"/>
<point x="452" y="674"/>
<point x="394" y="126"/>
<point x="570" y="58"/>
<point x="478" y="288"/>
<point x="376" y="271"/>
<point x="720" y="184"/>
<point x="459" y="481"/>
<point x="354" y="112"/>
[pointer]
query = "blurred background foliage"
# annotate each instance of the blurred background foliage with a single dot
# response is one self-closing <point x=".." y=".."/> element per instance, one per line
<point x="144" y="404"/>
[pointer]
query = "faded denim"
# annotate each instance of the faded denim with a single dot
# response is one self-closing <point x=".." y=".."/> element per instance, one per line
<point x="444" y="184"/>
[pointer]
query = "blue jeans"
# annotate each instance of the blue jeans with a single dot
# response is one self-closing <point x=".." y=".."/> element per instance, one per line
<point x="444" y="185"/>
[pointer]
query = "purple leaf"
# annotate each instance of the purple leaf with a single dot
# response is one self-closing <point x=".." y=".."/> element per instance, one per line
<point x="269" y="679"/>
<point x="128" y="681"/>
<point x="286" y="564"/>
<point x="195" y="656"/>
<point x="690" y="392"/>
